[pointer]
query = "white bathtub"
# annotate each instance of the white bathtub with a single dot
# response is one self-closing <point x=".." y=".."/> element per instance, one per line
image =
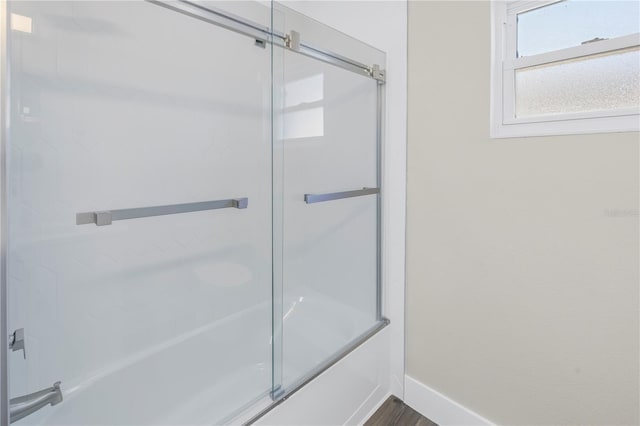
<point x="210" y="374"/>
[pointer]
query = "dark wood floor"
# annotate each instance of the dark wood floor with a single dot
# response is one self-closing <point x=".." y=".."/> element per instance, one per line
<point x="394" y="412"/>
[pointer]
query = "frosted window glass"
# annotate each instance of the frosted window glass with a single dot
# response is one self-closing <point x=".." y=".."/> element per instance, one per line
<point x="572" y="22"/>
<point x="601" y="82"/>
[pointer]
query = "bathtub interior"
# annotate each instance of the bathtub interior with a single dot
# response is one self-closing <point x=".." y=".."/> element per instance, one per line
<point x="218" y="369"/>
<point x="184" y="319"/>
<point x="190" y="381"/>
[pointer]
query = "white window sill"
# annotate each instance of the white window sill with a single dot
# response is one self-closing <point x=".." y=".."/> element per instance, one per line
<point x="628" y="123"/>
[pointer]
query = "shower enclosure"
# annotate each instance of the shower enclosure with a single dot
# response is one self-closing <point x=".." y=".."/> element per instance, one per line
<point x="191" y="203"/>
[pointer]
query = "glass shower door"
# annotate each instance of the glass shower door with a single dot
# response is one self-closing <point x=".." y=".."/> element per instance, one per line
<point x="139" y="214"/>
<point x="327" y="140"/>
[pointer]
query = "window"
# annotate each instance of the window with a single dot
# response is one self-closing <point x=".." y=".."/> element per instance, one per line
<point x="565" y="67"/>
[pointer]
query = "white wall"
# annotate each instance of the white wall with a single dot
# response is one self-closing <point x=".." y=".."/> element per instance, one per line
<point x="522" y="288"/>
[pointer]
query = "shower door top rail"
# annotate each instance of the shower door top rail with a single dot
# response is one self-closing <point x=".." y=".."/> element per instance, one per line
<point x="106" y="217"/>
<point x="263" y="34"/>
<point x="217" y="17"/>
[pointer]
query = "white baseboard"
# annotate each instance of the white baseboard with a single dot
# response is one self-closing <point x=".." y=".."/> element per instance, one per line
<point x="437" y="407"/>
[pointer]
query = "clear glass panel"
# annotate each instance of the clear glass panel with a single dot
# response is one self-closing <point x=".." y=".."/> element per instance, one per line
<point x="596" y="83"/>
<point x="158" y="320"/>
<point x="573" y="22"/>
<point x="327" y="129"/>
<point x="329" y="248"/>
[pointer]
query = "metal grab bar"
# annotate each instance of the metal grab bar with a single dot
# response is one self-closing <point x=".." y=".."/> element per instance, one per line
<point x="319" y="198"/>
<point x="22" y="406"/>
<point x="101" y="218"/>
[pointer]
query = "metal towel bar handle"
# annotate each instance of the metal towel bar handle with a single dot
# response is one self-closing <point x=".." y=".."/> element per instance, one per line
<point x="101" y="218"/>
<point x="22" y="406"/>
<point x="319" y="198"/>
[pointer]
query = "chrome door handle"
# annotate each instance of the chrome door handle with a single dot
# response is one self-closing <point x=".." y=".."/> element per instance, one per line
<point x="101" y="218"/>
<point x="22" y="406"/>
<point x="319" y="198"/>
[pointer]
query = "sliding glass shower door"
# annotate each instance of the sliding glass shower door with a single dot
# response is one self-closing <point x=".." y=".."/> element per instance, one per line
<point x="327" y="168"/>
<point x="139" y="214"/>
<point x="192" y="206"/>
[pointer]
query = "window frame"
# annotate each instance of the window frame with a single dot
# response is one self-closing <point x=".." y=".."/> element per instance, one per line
<point x="504" y="63"/>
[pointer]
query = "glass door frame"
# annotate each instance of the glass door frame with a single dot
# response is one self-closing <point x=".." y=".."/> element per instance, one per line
<point x="4" y="132"/>
<point x="291" y="41"/>
<point x="294" y="41"/>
